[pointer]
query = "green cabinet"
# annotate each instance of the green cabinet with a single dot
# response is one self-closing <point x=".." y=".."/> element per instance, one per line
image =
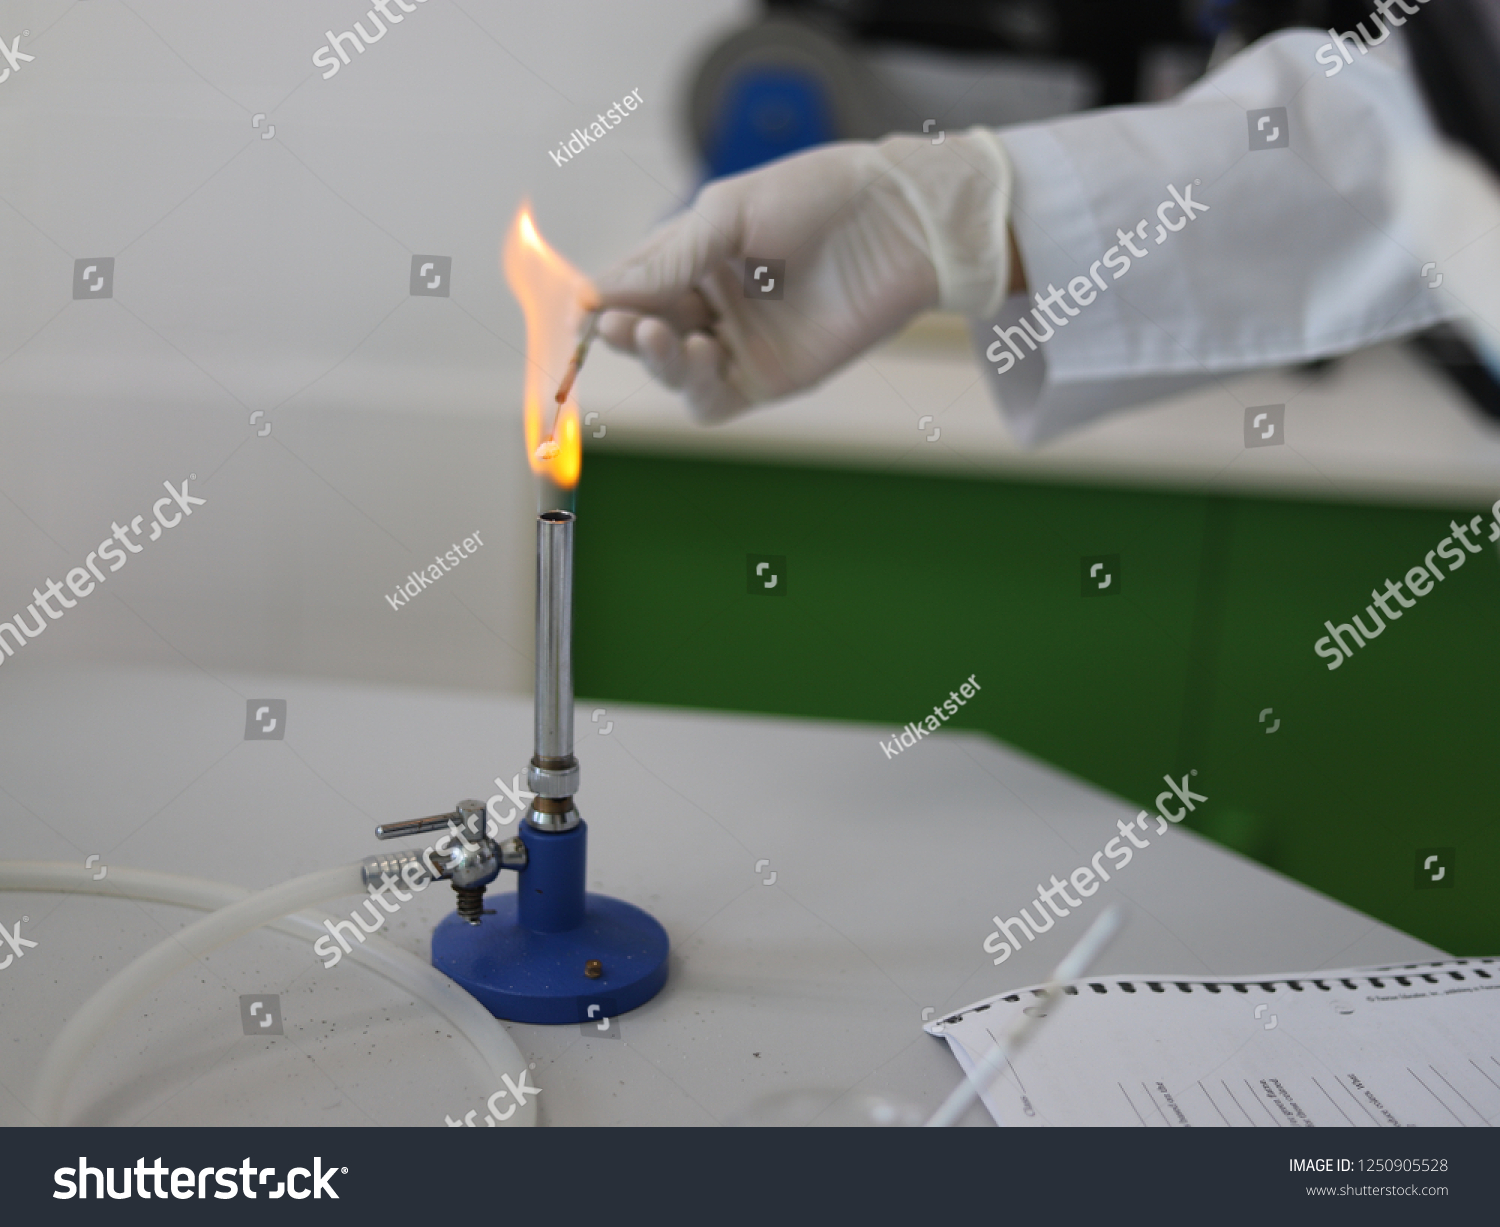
<point x="1117" y="633"/>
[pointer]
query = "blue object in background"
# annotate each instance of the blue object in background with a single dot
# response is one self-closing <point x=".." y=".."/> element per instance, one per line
<point x="1215" y="17"/>
<point x="765" y="114"/>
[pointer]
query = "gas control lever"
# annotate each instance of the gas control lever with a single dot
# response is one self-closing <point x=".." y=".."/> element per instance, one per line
<point x="467" y="856"/>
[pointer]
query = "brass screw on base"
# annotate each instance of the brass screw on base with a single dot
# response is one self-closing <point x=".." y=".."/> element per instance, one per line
<point x="470" y="902"/>
<point x="593" y="969"/>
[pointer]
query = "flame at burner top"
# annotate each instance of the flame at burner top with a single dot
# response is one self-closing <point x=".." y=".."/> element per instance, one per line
<point x="555" y="297"/>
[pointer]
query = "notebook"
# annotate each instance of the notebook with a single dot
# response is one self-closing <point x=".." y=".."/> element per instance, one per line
<point x="1370" y="1047"/>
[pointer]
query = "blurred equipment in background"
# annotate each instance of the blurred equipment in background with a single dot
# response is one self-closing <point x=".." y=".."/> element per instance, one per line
<point x="775" y="88"/>
<point x="1447" y="349"/>
<point x="1455" y="50"/>
<point x="813" y="71"/>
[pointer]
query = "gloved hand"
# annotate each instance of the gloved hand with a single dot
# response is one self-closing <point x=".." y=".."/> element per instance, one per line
<point x="871" y="235"/>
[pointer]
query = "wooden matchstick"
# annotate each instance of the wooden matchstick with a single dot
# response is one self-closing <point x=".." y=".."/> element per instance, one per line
<point x="574" y="365"/>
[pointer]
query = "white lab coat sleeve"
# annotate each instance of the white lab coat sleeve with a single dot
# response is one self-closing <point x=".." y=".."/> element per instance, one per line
<point x="1293" y="251"/>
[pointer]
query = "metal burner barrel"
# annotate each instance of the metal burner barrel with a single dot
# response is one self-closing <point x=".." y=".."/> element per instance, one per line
<point x="554" y="770"/>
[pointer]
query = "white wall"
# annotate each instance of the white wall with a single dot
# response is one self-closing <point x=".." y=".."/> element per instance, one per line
<point x="272" y="276"/>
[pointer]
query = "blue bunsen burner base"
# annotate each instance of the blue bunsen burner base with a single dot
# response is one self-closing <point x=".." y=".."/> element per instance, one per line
<point x="526" y="976"/>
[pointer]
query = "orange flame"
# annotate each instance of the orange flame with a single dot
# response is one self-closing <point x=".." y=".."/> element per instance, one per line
<point x="552" y="294"/>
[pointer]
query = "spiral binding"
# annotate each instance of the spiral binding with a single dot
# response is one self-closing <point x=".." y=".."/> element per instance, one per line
<point x="1403" y="974"/>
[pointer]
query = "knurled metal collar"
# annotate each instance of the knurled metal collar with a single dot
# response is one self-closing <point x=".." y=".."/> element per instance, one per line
<point x="551" y="781"/>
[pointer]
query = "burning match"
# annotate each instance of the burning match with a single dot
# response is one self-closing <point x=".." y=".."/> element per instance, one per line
<point x="555" y="298"/>
<point x="549" y="447"/>
<point x="579" y="354"/>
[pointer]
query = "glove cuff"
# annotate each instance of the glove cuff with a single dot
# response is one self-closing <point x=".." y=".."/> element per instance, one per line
<point x="960" y="189"/>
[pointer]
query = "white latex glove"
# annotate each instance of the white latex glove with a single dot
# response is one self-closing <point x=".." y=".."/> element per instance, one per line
<point x="871" y="235"/>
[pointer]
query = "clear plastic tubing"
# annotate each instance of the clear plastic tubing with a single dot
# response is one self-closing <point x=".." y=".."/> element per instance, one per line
<point x="234" y="912"/>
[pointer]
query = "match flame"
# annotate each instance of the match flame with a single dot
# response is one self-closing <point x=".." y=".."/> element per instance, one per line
<point x="554" y="296"/>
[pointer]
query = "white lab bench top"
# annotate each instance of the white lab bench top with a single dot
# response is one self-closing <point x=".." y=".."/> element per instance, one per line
<point x="1379" y="425"/>
<point x="886" y="874"/>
